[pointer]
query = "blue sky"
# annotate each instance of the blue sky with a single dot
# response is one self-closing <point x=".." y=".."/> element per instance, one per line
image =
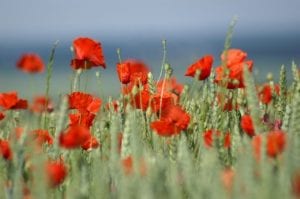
<point x="58" y="19"/>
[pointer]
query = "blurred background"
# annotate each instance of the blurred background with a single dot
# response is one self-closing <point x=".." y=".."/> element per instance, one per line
<point x="267" y="30"/>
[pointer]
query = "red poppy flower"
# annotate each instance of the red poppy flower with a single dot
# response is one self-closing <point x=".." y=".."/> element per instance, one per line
<point x="5" y="150"/>
<point x="31" y="63"/>
<point x="56" y="172"/>
<point x="83" y="119"/>
<point x="173" y="120"/>
<point x="141" y="100"/>
<point x="42" y="136"/>
<point x="133" y="71"/>
<point x="74" y="137"/>
<point x="10" y="100"/>
<point x="41" y="104"/>
<point x="296" y="184"/>
<point x="84" y="102"/>
<point x="227" y="140"/>
<point x="91" y="143"/>
<point x="247" y="125"/>
<point x="203" y="65"/>
<point x="233" y="56"/>
<point x="256" y="145"/>
<point x="235" y="69"/>
<point x="170" y="85"/>
<point x="276" y="141"/>
<point x="88" y="54"/>
<point x="158" y="101"/>
<point x="265" y="93"/>
<point x="2" y="116"/>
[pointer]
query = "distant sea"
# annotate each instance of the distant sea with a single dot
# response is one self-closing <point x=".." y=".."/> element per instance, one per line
<point x="268" y="53"/>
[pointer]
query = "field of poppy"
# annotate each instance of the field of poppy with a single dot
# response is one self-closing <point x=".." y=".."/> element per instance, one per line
<point x="222" y="136"/>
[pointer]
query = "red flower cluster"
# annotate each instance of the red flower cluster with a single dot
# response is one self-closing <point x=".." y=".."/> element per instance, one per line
<point x="88" y="54"/>
<point x="173" y="120"/>
<point x="5" y="150"/>
<point x="247" y="125"/>
<point x="75" y="136"/>
<point x="56" y="172"/>
<point x="10" y="100"/>
<point x="31" y="63"/>
<point x="132" y="71"/>
<point x="235" y="61"/>
<point x="203" y="65"/>
<point x="275" y="144"/>
<point x="266" y="93"/>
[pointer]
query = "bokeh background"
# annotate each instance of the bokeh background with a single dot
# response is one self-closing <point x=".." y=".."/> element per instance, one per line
<point x="267" y="30"/>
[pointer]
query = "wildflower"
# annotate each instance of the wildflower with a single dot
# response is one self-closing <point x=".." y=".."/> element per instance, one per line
<point x="247" y="125"/>
<point x="159" y="101"/>
<point x="203" y="65"/>
<point x="41" y="104"/>
<point x="276" y="141"/>
<point x="56" y="172"/>
<point x="170" y="85"/>
<point x="141" y="100"/>
<point x="133" y="71"/>
<point x="227" y="178"/>
<point x="84" y="102"/>
<point x="88" y="54"/>
<point x="74" y="137"/>
<point x="5" y="150"/>
<point x="91" y="143"/>
<point x="10" y="100"/>
<point x="31" y="63"/>
<point x="233" y="69"/>
<point x="84" y="119"/>
<point x="42" y="136"/>
<point x="173" y="120"/>
<point x="266" y="93"/>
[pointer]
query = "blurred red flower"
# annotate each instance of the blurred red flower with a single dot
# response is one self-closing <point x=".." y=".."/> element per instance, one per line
<point x="173" y="120"/>
<point x="41" y="104"/>
<point x="56" y="172"/>
<point x="234" y="69"/>
<point x="170" y="85"/>
<point x="203" y="65"/>
<point x="42" y="136"/>
<point x="128" y="164"/>
<point x="276" y="141"/>
<point x="31" y="63"/>
<point x="256" y="145"/>
<point x="5" y="150"/>
<point x="247" y="125"/>
<point x="91" y="143"/>
<point x="266" y="93"/>
<point x="74" y="137"/>
<point x="10" y="100"/>
<point x="133" y="71"/>
<point x="159" y="101"/>
<point x="88" y="54"/>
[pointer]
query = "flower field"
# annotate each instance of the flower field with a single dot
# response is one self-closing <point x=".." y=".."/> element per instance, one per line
<point x="222" y="136"/>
